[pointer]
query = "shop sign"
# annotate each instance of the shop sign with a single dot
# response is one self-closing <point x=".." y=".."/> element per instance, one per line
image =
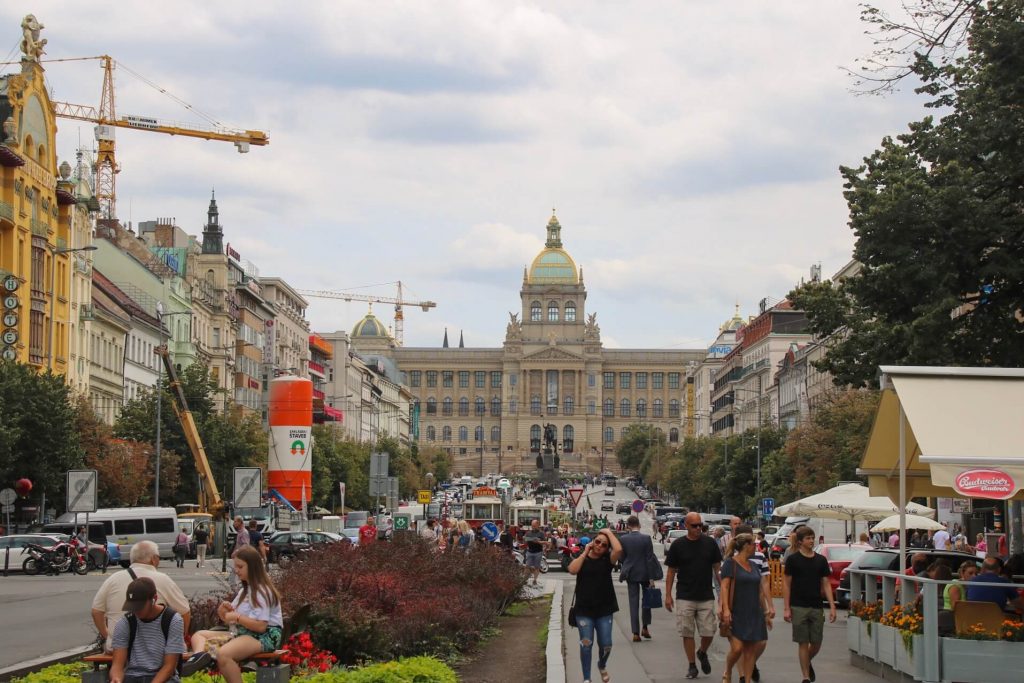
<point x="985" y="483"/>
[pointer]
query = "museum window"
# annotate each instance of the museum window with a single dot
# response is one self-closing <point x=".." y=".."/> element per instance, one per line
<point x="535" y="312"/>
<point x="659" y="410"/>
<point x="591" y="380"/>
<point x="673" y="435"/>
<point x="609" y="408"/>
<point x="641" y="408"/>
<point x="641" y="380"/>
<point x="447" y="379"/>
<point x="622" y="433"/>
<point x="481" y="406"/>
<point x="673" y="380"/>
<point x="495" y="434"/>
<point x="591" y="407"/>
<point x="478" y="434"/>
<point x="496" y="379"/>
<point x="463" y="406"/>
<point x="535" y="438"/>
<point x="658" y="380"/>
<point x="446" y="407"/>
<point x="480" y="379"/>
<point x="568" y="435"/>
<point x="431" y="379"/>
<point x="673" y="408"/>
<point x="431" y="406"/>
<point x="624" y="408"/>
<point x="535" y="405"/>
<point x="463" y="433"/>
<point x="513" y="407"/>
<point x="609" y="435"/>
<point x="446" y="433"/>
<point x="568" y="405"/>
<point x="609" y="380"/>
<point x="495" y="407"/>
<point x="431" y="434"/>
<point x="570" y="312"/>
<point x="513" y="379"/>
<point x="625" y="379"/>
<point x="552" y="311"/>
<point x="463" y="379"/>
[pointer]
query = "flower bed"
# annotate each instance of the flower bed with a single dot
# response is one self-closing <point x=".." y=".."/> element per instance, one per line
<point x="402" y="598"/>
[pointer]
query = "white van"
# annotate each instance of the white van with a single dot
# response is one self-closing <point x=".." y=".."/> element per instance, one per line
<point x="127" y="526"/>
<point x="833" y="530"/>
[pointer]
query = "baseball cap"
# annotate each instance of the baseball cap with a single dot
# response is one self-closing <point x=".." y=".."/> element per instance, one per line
<point x="140" y="592"/>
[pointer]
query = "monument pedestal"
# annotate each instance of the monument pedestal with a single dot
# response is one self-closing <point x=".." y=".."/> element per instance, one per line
<point x="548" y="473"/>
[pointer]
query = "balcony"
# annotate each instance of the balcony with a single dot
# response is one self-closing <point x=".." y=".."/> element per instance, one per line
<point x="6" y="211"/>
<point x="317" y="394"/>
<point x="316" y="369"/>
<point x="85" y="312"/>
<point x="39" y="228"/>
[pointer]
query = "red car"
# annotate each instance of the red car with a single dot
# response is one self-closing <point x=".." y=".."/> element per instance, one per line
<point x="839" y="556"/>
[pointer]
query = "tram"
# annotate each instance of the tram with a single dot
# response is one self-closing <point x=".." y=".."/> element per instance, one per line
<point x="523" y="512"/>
<point x="483" y="506"/>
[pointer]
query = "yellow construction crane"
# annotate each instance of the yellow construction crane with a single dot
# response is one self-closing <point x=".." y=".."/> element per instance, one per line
<point x="106" y="121"/>
<point x="398" y="301"/>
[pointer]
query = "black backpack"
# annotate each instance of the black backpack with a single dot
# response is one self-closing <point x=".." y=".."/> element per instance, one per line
<point x="165" y="625"/>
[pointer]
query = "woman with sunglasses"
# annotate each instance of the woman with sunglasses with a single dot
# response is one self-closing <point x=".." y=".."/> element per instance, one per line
<point x="595" y="599"/>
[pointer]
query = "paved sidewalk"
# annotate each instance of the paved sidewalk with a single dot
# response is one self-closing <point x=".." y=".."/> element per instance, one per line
<point x="661" y="659"/>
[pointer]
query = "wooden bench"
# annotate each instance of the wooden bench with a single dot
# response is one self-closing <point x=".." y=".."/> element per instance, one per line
<point x="269" y="667"/>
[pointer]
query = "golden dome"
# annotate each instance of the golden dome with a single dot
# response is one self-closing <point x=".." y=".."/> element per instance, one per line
<point x="553" y="266"/>
<point x="369" y="326"/>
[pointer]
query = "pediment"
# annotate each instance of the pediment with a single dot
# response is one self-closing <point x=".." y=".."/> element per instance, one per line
<point x="552" y="354"/>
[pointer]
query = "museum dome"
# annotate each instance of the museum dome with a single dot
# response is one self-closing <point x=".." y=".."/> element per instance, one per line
<point x="370" y="327"/>
<point x="553" y="265"/>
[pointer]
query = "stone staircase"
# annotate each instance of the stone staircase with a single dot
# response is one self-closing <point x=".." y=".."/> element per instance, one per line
<point x="512" y="463"/>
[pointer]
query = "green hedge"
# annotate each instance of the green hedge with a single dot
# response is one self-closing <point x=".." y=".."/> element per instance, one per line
<point x="411" y="670"/>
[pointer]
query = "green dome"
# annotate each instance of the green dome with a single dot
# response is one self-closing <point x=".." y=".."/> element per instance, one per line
<point x="369" y="326"/>
<point x="553" y="266"/>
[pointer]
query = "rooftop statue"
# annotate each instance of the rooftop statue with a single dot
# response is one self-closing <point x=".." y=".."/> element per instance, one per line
<point x="31" y="44"/>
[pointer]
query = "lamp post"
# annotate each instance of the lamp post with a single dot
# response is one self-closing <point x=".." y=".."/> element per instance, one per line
<point x="159" y="399"/>
<point x="54" y="253"/>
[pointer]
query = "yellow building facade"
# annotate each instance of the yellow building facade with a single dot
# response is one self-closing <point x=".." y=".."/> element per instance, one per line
<point x="39" y="245"/>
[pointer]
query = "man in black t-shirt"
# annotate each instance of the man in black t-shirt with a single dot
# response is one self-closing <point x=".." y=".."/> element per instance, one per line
<point x="805" y="581"/>
<point x="695" y="558"/>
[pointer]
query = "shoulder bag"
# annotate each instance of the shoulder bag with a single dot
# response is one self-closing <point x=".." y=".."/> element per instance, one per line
<point x="572" y="610"/>
<point x="725" y="630"/>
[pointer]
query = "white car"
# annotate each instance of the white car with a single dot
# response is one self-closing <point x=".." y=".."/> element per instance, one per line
<point x="607" y="505"/>
<point x="671" y="536"/>
<point x="18" y="544"/>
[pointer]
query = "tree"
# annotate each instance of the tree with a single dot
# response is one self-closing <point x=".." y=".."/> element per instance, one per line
<point x="340" y="460"/>
<point x="940" y="231"/>
<point x="637" y="444"/>
<point x="38" y="439"/>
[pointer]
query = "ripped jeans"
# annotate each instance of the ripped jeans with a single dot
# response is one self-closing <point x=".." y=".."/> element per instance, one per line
<point x="587" y="626"/>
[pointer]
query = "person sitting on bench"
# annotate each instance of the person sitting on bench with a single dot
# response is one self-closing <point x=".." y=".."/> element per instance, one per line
<point x="148" y="641"/>
<point x="254" y="618"/>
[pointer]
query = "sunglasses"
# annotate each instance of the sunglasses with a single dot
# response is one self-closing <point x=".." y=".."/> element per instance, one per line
<point x="694" y="526"/>
<point x="600" y="544"/>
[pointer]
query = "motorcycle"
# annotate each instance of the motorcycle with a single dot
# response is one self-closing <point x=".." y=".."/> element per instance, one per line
<point x="62" y="557"/>
<point x="568" y="553"/>
<point x="519" y="554"/>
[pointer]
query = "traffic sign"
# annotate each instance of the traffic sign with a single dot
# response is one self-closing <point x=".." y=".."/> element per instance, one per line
<point x="637" y="506"/>
<point x="575" y="495"/>
<point x="248" y="488"/>
<point x="768" y="507"/>
<point x="7" y="496"/>
<point x="489" y="530"/>
<point x="600" y="523"/>
<point x="423" y="496"/>
<point x="401" y="522"/>
<point x="82" y="485"/>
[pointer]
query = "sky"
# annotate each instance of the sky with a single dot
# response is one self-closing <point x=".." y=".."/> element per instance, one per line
<point x="690" y="148"/>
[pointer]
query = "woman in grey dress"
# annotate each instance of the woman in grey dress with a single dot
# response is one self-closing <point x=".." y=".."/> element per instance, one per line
<point x="745" y="607"/>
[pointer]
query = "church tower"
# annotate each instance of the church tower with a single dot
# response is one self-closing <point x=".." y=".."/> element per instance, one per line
<point x="213" y="236"/>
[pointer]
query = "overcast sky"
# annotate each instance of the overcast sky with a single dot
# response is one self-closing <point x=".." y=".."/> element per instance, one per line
<point x="691" y="148"/>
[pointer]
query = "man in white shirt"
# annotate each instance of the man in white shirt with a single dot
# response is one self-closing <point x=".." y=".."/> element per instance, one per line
<point x="941" y="540"/>
<point x="108" y="605"/>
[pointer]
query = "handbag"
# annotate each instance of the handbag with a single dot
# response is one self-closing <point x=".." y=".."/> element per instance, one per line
<point x="725" y="630"/>
<point x="572" y="611"/>
<point x="651" y="598"/>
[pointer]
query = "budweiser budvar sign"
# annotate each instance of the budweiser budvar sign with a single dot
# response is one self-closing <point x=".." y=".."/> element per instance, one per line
<point x="985" y="483"/>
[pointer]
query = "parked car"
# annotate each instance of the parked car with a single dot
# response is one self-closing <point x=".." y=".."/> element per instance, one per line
<point x="778" y="548"/>
<point x="351" y="534"/>
<point x="16" y="545"/>
<point x="839" y="556"/>
<point x="889" y="559"/>
<point x="671" y="536"/>
<point x="607" y="505"/>
<point x="285" y="546"/>
<point x="623" y="509"/>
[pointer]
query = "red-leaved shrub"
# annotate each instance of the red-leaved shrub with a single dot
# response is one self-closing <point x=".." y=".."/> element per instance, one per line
<point x="399" y="598"/>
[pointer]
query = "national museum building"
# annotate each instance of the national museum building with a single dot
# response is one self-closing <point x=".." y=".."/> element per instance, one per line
<point x="488" y="406"/>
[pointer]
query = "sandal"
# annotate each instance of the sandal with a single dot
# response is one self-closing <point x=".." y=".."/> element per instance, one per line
<point x="605" y="677"/>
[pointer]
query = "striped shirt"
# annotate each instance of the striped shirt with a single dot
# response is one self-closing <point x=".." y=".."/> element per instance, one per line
<point x="149" y="648"/>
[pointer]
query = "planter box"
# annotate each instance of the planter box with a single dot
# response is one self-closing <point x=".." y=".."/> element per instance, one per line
<point x="888" y="640"/>
<point x="981" y="661"/>
<point x="868" y="644"/>
<point x="910" y="660"/>
<point x="853" y="633"/>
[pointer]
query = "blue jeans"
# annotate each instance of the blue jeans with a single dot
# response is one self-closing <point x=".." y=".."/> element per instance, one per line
<point x="587" y="626"/>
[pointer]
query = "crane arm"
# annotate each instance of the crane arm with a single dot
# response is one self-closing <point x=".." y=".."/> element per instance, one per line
<point x="195" y="442"/>
<point x="84" y="112"/>
<point x="347" y="296"/>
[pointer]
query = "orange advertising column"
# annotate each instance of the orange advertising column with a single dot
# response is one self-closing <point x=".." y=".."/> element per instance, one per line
<point x="291" y="422"/>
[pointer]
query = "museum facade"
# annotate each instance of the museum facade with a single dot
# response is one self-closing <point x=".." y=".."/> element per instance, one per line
<point x="488" y="406"/>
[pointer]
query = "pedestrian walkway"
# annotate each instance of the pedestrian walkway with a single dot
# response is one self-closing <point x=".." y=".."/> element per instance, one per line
<point x="661" y="659"/>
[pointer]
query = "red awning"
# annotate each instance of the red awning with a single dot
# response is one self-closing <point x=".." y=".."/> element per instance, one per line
<point x="334" y="414"/>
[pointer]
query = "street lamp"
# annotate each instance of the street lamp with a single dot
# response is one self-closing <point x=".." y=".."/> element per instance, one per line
<point x="159" y="398"/>
<point x="55" y="252"/>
